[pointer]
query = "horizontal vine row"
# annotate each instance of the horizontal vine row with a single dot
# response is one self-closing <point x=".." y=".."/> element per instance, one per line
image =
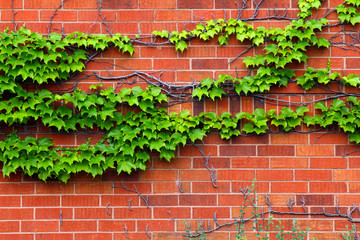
<point x="130" y="137"/>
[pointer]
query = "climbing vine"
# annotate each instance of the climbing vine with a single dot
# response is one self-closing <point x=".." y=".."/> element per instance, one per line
<point x="29" y="59"/>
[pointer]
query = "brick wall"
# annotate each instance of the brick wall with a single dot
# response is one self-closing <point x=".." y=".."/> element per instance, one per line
<point x="309" y="166"/>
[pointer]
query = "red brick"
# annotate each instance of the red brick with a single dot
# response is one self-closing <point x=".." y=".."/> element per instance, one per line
<point x="116" y="27"/>
<point x="91" y="213"/>
<point x="80" y="200"/>
<point x="120" y="200"/>
<point x="274" y="175"/>
<point x="282" y="150"/>
<point x="315" y="150"/>
<point x="9" y="201"/>
<point x="208" y="212"/>
<point x="133" y="64"/>
<point x="53" y="188"/>
<point x="310" y="175"/>
<point x="141" y="187"/>
<point x="136" y="213"/>
<point x="230" y="199"/>
<point x="354" y="162"/>
<point x="172" y="15"/>
<point x="93" y="236"/>
<point x="82" y="27"/>
<point x="171" y="64"/>
<point x="192" y="151"/>
<point x="39" y="4"/>
<point x="328" y="187"/>
<point x="347" y="150"/>
<point x="78" y="226"/>
<point x="9" y="226"/>
<point x="20" y="15"/>
<point x="207" y="187"/>
<point x="162" y="200"/>
<point x="250" y="162"/>
<point x="158" y="52"/>
<point x="149" y="27"/>
<point x="335" y="138"/>
<point x="347" y="175"/>
<point x="195" y="4"/>
<point x="199" y="175"/>
<point x="198" y="52"/>
<point x="289" y="138"/>
<point x="176" y="212"/>
<point x="135" y="15"/>
<point x="248" y="139"/>
<point x="236" y="174"/>
<point x="216" y="162"/>
<point x="33" y="201"/>
<point x="16" y="213"/>
<point x="238" y="150"/>
<point x="261" y="187"/>
<point x="316" y="225"/>
<point x="6" y="4"/>
<point x="62" y="16"/>
<point x="40" y="226"/>
<point x="197" y="200"/>
<point x="60" y="139"/>
<point x="170" y="187"/>
<point x="16" y="188"/>
<point x="87" y="188"/>
<point x="116" y="225"/>
<point x="328" y="163"/>
<point x="155" y="4"/>
<point x="92" y="15"/>
<point x="53" y="213"/>
<point x="155" y="225"/>
<point x="179" y="163"/>
<point x="54" y="236"/>
<point x="118" y="4"/>
<point x="296" y="187"/>
<point x="289" y="162"/>
<point x="209" y="64"/>
<point x="158" y="175"/>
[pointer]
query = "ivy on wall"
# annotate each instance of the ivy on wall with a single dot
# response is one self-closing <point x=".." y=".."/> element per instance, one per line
<point x="30" y="58"/>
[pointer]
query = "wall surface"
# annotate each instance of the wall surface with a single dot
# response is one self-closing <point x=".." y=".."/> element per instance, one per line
<point x="320" y="167"/>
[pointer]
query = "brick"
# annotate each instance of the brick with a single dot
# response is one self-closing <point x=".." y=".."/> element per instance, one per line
<point x="148" y="28"/>
<point x="310" y="175"/>
<point x="9" y="226"/>
<point x="90" y="213"/>
<point x="296" y="187"/>
<point x="82" y="27"/>
<point x="289" y="138"/>
<point x="60" y="139"/>
<point x="236" y="174"/>
<point x="158" y="52"/>
<point x="216" y="162"/>
<point x="162" y="200"/>
<point x="92" y="15"/>
<point x="192" y="151"/>
<point x="62" y="16"/>
<point x="20" y="15"/>
<point x="80" y="200"/>
<point x="135" y="15"/>
<point x="274" y="175"/>
<point x="39" y="4"/>
<point x="208" y="212"/>
<point x="328" y="187"/>
<point x="250" y="162"/>
<point x="116" y="225"/>
<point x="16" y="188"/>
<point x="347" y="150"/>
<point x="39" y="226"/>
<point x="6" y="4"/>
<point x="53" y="213"/>
<point x="128" y="28"/>
<point x="315" y="150"/>
<point x="197" y="200"/>
<point x="33" y="201"/>
<point x="119" y="200"/>
<point x="136" y="213"/>
<point x="209" y="64"/>
<point x="16" y="213"/>
<point x="87" y="188"/>
<point x="172" y="15"/>
<point x="119" y="4"/>
<point x="78" y="226"/>
<point x="289" y="162"/>
<point x="207" y="187"/>
<point x="261" y="187"/>
<point x="157" y="4"/>
<point x="199" y="175"/>
<point x="199" y="52"/>
<point x="282" y="150"/>
<point x="230" y="199"/>
<point x="158" y="175"/>
<point x="155" y="225"/>
<point x="328" y="163"/>
<point x="170" y="187"/>
<point x="171" y="64"/>
<point x="176" y="212"/>
<point x="195" y="4"/>
<point x="133" y="63"/>
<point x="54" y="188"/>
<point x="93" y="236"/>
<point x="9" y="201"/>
<point x="316" y="200"/>
<point x="316" y="225"/>
<point x="346" y="175"/>
<point x="141" y="187"/>
<point x="238" y="150"/>
<point x="258" y="139"/>
<point x="54" y="236"/>
<point x="354" y="162"/>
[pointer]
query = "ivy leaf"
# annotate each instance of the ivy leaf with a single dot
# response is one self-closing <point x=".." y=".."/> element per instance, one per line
<point x="195" y="134"/>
